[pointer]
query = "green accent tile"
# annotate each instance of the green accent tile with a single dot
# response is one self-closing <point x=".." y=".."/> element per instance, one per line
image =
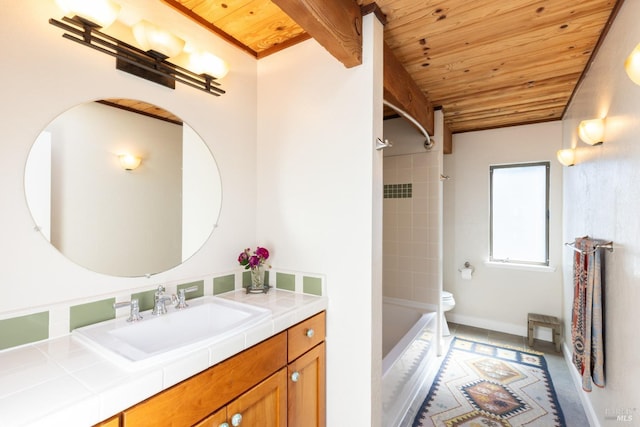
<point x="24" y="329"/>
<point x="146" y="299"/>
<point x="90" y="313"/>
<point x="312" y="285"/>
<point x="223" y="284"/>
<point x="286" y="281"/>
<point x="246" y="278"/>
<point x="194" y="294"/>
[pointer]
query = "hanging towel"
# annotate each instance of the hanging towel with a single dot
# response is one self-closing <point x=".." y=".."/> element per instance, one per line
<point x="587" y="327"/>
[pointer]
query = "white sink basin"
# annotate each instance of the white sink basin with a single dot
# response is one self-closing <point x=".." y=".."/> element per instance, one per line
<point x="205" y="322"/>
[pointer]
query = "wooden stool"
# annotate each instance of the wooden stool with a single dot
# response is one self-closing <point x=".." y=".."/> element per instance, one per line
<point x="542" y="320"/>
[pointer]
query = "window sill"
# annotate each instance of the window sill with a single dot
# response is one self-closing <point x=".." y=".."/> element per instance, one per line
<point x="523" y="267"/>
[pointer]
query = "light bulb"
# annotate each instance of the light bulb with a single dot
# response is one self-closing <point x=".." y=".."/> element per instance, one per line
<point x="152" y="37"/>
<point x="208" y="63"/>
<point x="100" y="12"/>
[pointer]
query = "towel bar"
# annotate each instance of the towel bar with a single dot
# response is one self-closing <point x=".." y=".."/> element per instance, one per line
<point x="608" y="246"/>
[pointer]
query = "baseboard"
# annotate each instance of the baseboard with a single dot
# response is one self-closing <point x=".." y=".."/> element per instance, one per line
<point x="577" y="381"/>
<point x="543" y="334"/>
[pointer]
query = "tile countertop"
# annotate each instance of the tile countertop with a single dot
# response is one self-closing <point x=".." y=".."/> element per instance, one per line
<point x="61" y="381"/>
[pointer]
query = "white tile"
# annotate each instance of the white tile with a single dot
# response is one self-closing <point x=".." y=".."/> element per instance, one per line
<point x="136" y="389"/>
<point x="28" y="376"/>
<point x="178" y="370"/>
<point x="79" y="414"/>
<point x="101" y="376"/>
<point x="32" y="404"/>
<point x="16" y="358"/>
<point x="226" y="349"/>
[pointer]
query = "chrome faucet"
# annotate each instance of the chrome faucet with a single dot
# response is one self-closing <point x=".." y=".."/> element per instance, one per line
<point x="134" y="315"/>
<point x="182" y="300"/>
<point x="159" y="301"/>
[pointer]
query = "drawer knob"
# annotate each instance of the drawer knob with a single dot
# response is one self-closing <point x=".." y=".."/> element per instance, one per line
<point x="224" y="425"/>
<point x="236" y="420"/>
<point x="295" y="376"/>
<point x="310" y="332"/>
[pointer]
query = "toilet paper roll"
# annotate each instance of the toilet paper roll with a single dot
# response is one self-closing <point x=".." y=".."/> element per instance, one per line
<point x="465" y="273"/>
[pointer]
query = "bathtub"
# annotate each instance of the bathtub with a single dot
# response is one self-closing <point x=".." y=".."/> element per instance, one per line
<point x="409" y="351"/>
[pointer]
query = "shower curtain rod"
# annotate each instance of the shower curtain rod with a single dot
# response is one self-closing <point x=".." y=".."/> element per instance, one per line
<point x="608" y="246"/>
<point x="428" y="144"/>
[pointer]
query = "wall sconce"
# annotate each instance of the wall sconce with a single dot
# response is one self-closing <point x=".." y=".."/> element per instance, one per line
<point x="632" y="65"/>
<point x="151" y="64"/>
<point x="591" y="131"/>
<point x="567" y="156"/>
<point x="129" y="162"/>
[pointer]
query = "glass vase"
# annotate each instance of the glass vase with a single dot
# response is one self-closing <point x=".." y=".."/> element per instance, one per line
<point x="258" y="284"/>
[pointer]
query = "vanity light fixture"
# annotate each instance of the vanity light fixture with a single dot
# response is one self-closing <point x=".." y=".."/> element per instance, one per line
<point x="129" y="162"/>
<point x="632" y="65"/>
<point x="567" y="156"/>
<point x="151" y="64"/>
<point x="591" y="131"/>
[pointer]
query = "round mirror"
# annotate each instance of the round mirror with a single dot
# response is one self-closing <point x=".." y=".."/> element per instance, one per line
<point x="122" y="187"/>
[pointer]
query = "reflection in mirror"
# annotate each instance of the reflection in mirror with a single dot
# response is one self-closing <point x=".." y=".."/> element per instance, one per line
<point x="113" y="220"/>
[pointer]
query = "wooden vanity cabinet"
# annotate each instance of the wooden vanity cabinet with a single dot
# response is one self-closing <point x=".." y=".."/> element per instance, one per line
<point x="306" y="372"/>
<point x="279" y="382"/>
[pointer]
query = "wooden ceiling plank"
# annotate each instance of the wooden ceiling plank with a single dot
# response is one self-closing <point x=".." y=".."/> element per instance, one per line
<point x="548" y="41"/>
<point x="215" y="10"/>
<point x="260" y="24"/>
<point x="469" y="30"/>
<point x="335" y="24"/>
<point x="403" y="92"/>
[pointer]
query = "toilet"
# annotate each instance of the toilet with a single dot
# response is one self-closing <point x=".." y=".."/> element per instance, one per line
<point x="448" y="302"/>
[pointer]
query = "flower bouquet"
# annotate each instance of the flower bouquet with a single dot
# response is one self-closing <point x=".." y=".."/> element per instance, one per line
<point x="256" y="263"/>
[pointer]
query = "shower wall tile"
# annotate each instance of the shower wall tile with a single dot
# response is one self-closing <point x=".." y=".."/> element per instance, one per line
<point x="410" y="234"/>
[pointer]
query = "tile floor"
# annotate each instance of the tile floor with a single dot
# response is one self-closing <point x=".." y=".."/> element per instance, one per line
<point x="561" y="377"/>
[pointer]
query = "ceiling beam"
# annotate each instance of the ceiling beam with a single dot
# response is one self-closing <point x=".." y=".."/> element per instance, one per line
<point x="335" y="24"/>
<point x="401" y="91"/>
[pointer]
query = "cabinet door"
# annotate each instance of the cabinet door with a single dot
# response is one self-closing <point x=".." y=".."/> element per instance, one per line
<point x="111" y="422"/>
<point x="216" y="419"/>
<point x="306" y="389"/>
<point x="265" y="405"/>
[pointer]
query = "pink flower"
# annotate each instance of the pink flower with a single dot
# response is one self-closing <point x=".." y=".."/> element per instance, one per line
<point x="263" y="253"/>
<point x="258" y="258"/>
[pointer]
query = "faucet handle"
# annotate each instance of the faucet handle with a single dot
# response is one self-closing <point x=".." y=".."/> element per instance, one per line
<point x="134" y="315"/>
<point x="160" y="290"/>
<point x="182" y="299"/>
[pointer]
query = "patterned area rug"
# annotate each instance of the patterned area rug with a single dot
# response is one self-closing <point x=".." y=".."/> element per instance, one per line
<point x="488" y="386"/>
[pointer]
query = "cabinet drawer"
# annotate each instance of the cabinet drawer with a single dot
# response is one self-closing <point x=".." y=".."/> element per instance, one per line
<point x="191" y="400"/>
<point x="305" y="335"/>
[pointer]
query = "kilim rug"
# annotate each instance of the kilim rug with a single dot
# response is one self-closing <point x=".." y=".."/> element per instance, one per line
<point x="485" y="385"/>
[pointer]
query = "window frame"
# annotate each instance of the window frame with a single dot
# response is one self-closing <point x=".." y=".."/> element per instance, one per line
<point x="547" y="165"/>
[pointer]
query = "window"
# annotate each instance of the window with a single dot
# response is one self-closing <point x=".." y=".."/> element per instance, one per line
<point x="519" y="218"/>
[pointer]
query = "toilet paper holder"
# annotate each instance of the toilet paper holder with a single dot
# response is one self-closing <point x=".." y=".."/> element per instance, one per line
<point x="467" y="264"/>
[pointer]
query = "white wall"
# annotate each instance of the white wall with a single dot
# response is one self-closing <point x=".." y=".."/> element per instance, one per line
<point x="46" y="75"/>
<point x="319" y="180"/>
<point x="498" y="298"/>
<point x="601" y="199"/>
